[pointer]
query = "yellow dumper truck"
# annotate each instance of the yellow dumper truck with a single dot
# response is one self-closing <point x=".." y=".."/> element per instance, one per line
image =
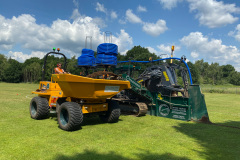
<point x="72" y="96"/>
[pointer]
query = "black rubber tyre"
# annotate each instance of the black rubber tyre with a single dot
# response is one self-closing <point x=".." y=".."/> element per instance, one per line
<point x="70" y="116"/>
<point x="113" y="113"/>
<point x="59" y="102"/>
<point x="39" y="108"/>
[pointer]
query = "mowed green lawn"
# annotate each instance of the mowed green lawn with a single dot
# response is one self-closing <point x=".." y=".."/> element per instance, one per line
<point x="132" y="137"/>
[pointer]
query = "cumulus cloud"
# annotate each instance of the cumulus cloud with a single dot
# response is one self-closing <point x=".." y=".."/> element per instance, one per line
<point x="70" y="36"/>
<point x="75" y="2"/>
<point x="122" y="21"/>
<point x="75" y="14"/>
<point x="152" y="50"/>
<point x="194" y="55"/>
<point x="212" y="13"/>
<point x="169" y="4"/>
<point x="163" y="50"/>
<point x="155" y="29"/>
<point x="114" y="15"/>
<point x="141" y="9"/>
<point x="167" y="48"/>
<point x="21" y="57"/>
<point x="235" y="33"/>
<point x="123" y="40"/>
<point x="211" y="49"/>
<point x="100" y="8"/>
<point x="131" y="17"/>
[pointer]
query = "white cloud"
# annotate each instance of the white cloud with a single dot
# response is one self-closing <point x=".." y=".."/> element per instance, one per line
<point x="164" y="51"/>
<point x="235" y="33"/>
<point x="155" y="29"/>
<point x="169" y="4"/>
<point x="212" y="13"/>
<point x="75" y="2"/>
<point x="194" y="55"/>
<point x="152" y="50"/>
<point x="123" y="40"/>
<point x="100" y="8"/>
<point x="21" y="57"/>
<point x="131" y="17"/>
<point x="124" y="52"/>
<point x="141" y="9"/>
<point x="99" y="21"/>
<point x="75" y="14"/>
<point x="114" y="15"/>
<point x="211" y="49"/>
<point x="122" y="21"/>
<point x="167" y="48"/>
<point x="69" y="36"/>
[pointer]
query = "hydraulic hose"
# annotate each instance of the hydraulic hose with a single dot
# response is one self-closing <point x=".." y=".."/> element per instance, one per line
<point x="189" y="73"/>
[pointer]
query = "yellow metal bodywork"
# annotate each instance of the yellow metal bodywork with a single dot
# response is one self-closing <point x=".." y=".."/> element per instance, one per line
<point x="90" y="108"/>
<point x="88" y="88"/>
<point x="93" y="92"/>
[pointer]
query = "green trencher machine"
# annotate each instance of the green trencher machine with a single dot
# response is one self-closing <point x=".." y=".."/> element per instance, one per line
<point x="156" y="92"/>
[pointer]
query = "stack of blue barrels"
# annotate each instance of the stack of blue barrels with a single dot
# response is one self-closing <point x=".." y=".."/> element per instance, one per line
<point x="107" y="54"/>
<point x="87" y="58"/>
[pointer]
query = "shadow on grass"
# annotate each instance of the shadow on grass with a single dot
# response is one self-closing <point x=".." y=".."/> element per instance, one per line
<point x="220" y="141"/>
<point x="94" y="120"/>
<point x="90" y="155"/>
<point x="87" y="120"/>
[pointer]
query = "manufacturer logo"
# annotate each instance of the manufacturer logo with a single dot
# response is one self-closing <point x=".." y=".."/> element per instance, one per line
<point x="164" y="110"/>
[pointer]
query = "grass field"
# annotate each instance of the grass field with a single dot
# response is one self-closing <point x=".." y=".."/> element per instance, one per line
<point x="143" y="138"/>
<point x="227" y="88"/>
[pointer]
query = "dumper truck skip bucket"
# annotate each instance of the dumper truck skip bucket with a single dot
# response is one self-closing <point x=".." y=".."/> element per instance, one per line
<point x="89" y="88"/>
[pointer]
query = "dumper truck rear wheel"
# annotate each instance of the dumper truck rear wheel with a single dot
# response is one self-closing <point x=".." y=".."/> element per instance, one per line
<point x="70" y="116"/>
<point x="113" y="113"/>
<point x="59" y="102"/>
<point x="39" y="108"/>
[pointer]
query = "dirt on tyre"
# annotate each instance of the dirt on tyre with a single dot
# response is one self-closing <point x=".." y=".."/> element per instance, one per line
<point x="70" y="116"/>
<point x="39" y="108"/>
<point x="113" y="113"/>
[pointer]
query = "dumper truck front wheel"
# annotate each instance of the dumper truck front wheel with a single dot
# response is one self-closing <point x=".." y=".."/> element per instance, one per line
<point x="39" y="108"/>
<point x="70" y="116"/>
<point x="113" y="113"/>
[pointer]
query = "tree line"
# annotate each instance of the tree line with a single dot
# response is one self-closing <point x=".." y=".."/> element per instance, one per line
<point x="30" y="71"/>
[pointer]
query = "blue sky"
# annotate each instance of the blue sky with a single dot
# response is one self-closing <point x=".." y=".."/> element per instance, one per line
<point x="199" y="29"/>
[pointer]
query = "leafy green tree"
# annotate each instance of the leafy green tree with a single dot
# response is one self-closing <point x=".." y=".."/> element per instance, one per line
<point x="140" y="54"/>
<point x="203" y="69"/>
<point x="72" y="66"/>
<point x="227" y="70"/>
<point x="3" y="66"/>
<point x="194" y="72"/>
<point x="32" y="72"/>
<point x="32" y="69"/>
<point x="13" y="72"/>
<point x="215" y="73"/>
<point x="235" y="78"/>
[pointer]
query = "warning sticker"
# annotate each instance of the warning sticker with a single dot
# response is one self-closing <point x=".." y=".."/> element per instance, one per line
<point x="165" y="75"/>
<point x="111" y="88"/>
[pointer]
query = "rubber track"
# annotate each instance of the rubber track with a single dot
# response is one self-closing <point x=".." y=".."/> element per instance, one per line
<point x="142" y="109"/>
<point x="75" y="116"/>
<point x="42" y="107"/>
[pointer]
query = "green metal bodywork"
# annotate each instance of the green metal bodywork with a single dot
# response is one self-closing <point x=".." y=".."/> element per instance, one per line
<point x="188" y="108"/>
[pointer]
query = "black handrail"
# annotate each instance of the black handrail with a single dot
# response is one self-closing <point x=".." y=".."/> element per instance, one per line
<point x="45" y="61"/>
